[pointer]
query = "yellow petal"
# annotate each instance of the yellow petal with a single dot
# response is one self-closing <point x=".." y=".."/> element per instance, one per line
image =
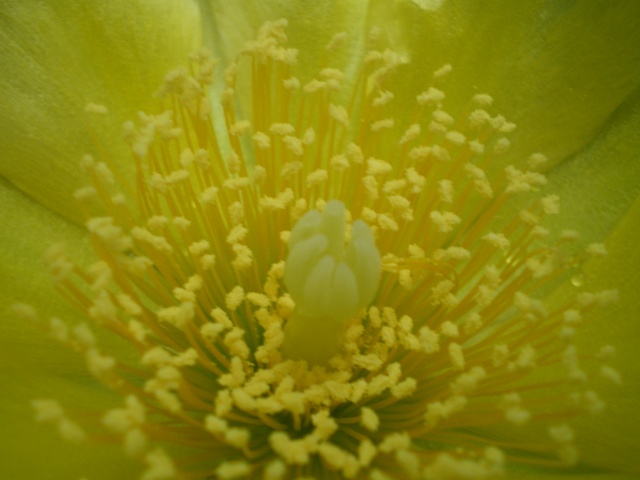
<point x="598" y="186"/>
<point x="28" y="230"/>
<point x="33" y="450"/>
<point x="611" y="439"/>
<point x="32" y="365"/>
<point x="557" y="70"/>
<point x="600" y="198"/>
<point x="57" y="58"/>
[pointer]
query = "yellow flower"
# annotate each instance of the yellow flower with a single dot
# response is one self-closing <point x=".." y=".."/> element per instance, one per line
<point x="243" y="221"/>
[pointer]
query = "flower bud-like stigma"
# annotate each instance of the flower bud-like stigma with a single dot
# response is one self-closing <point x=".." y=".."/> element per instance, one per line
<point x="329" y="280"/>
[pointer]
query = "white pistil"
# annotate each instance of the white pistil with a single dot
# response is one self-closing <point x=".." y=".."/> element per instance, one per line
<point x="329" y="281"/>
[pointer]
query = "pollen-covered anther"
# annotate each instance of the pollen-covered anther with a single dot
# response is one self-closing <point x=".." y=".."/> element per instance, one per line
<point x="159" y="466"/>
<point x="50" y="411"/>
<point x="381" y="125"/>
<point x="514" y="412"/>
<point x="339" y="114"/>
<point x="445" y="221"/>
<point x="520" y="181"/>
<point x="432" y="96"/>
<point x="564" y="436"/>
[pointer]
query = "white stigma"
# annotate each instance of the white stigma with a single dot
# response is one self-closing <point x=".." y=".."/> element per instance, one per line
<point x="329" y="280"/>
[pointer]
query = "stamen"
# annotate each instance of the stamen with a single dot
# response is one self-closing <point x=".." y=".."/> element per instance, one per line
<point x="322" y="289"/>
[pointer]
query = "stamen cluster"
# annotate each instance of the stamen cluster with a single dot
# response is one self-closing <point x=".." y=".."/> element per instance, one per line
<point x="457" y="346"/>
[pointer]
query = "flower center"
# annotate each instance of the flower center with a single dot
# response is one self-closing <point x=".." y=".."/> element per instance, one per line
<point x="277" y="338"/>
<point x="328" y="283"/>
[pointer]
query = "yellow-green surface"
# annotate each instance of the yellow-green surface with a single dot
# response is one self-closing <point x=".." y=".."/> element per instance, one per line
<point x="566" y="72"/>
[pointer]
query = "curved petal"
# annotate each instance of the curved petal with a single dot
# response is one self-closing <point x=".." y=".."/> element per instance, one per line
<point x="28" y="231"/>
<point x="34" y="450"/>
<point x="599" y="185"/>
<point x="611" y="439"/>
<point x="31" y="364"/>
<point x="600" y="197"/>
<point x="58" y="57"/>
<point x="600" y="192"/>
<point x="556" y="69"/>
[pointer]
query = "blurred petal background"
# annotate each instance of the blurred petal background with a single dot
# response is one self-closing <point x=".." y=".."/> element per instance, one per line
<point x="566" y="72"/>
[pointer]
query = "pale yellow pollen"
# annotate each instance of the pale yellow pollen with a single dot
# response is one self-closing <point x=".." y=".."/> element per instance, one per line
<point x="439" y="153"/>
<point x="498" y="240"/>
<point x="429" y="340"/>
<point x="448" y="467"/>
<point x="294" y="145"/>
<point x="482" y="99"/>
<point x="50" y="411"/>
<point x="98" y="364"/>
<point x="47" y="410"/>
<point x="156" y="241"/>
<point x="84" y="336"/>
<point x="178" y="315"/>
<point x="473" y="323"/>
<point x="354" y="153"/>
<point x="331" y="74"/>
<point x="449" y="329"/>
<point x="70" y="431"/>
<point x="159" y="466"/>
<point x="445" y="188"/>
<point x="380" y="125"/>
<point x="411" y="133"/>
<point x="371" y="186"/>
<point x="337" y="41"/>
<point x="128" y="419"/>
<point x="596" y="250"/>
<point x="456" y="355"/>
<point x="523" y="181"/>
<point x="480" y="181"/>
<point x="479" y="118"/>
<point x="291" y="168"/>
<point x="514" y="412"/>
<point x="317" y="177"/>
<point x="376" y="474"/>
<point x="445" y="221"/>
<point x="526" y="358"/>
<point x="404" y="389"/>
<point x="383" y="98"/>
<point x="442" y="72"/>
<point x="315" y="85"/>
<point x="501" y="146"/>
<point x="551" y="204"/>
<point x="394" y="442"/>
<point x="611" y="374"/>
<point x="59" y="330"/>
<point x="602" y="298"/>
<point x="96" y="108"/>
<point x="309" y="136"/>
<point x="438" y="129"/>
<point x="606" y="352"/>
<point x="236" y="183"/>
<point x="476" y="147"/>
<point x="432" y="96"/>
<point x="339" y="114"/>
<point x="232" y="470"/>
<point x="369" y="419"/>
